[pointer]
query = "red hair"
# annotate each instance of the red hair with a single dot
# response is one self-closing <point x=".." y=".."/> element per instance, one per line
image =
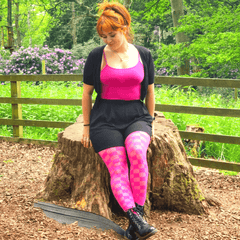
<point x="114" y="16"/>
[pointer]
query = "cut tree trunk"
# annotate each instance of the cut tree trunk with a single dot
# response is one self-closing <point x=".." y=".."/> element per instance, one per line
<point x="193" y="146"/>
<point x="79" y="176"/>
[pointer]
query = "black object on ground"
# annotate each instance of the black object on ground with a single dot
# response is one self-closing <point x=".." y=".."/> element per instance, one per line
<point x="85" y="219"/>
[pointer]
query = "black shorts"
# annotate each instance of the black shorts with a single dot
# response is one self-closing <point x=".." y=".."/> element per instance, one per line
<point x="114" y="120"/>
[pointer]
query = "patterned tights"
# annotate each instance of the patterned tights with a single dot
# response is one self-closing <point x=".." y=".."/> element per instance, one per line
<point x="126" y="192"/>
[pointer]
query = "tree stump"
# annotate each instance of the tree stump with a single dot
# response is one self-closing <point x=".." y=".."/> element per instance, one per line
<point x="80" y="177"/>
<point x="193" y="146"/>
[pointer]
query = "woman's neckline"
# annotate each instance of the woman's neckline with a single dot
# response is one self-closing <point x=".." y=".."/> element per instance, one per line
<point x="121" y="68"/>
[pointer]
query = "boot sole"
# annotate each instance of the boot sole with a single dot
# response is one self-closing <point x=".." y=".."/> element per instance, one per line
<point x="146" y="236"/>
<point x="133" y="238"/>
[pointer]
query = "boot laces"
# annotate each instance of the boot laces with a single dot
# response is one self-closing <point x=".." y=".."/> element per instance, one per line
<point x="144" y="215"/>
<point x="138" y="219"/>
<point x="141" y="209"/>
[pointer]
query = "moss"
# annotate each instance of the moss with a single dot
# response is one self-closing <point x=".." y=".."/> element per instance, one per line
<point x="186" y="181"/>
<point x="182" y="184"/>
<point x="53" y="166"/>
<point x="56" y="192"/>
<point x="41" y="200"/>
<point x="147" y="196"/>
<point x="195" y="125"/>
<point x="199" y="194"/>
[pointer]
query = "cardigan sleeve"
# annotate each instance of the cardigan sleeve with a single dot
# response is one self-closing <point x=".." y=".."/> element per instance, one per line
<point x="88" y="77"/>
<point x="151" y="71"/>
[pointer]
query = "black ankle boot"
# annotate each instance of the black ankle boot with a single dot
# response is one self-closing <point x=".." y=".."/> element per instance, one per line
<point x="130" y="234"/>
<point x="140" y="227"/>
<point x="141" y="210"/>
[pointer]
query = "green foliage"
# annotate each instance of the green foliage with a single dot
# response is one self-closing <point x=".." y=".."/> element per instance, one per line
<point x="212" y="28"/>
<point x="230" y="173"/>
<point x="8" y="161"/>
<point x="152" y="10"/>
<point x="147" y="17"/>
<point x="32" y="31"/>
<point x="60" y="33"/>
<point x="168" y="57"/>
<point x="211" y="124"/>
<point x="213" y="40"/>
<point x="83" y="50"/>
<point x="4" y="58"/>
<point x="4" y="54"/>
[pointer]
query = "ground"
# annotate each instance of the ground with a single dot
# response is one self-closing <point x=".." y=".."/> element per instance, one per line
<point x="23" y="169"/>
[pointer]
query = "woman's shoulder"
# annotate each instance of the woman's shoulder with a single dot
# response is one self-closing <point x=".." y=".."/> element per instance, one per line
<point x="97" y="50"/>
<point x="145" y="53"/>
<point x="142" y="49"/>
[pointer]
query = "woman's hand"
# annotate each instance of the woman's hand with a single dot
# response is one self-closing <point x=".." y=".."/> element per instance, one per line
<point x="86" y="142"/>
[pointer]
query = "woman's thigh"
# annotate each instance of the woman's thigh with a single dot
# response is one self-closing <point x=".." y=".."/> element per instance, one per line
<point x="107" y="138"/>
<point x="138" y="126"/>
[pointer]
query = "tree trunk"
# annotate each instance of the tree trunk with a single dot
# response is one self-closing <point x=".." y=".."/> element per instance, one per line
<point x="177" y="12"/>
<point x="29" y="26"/>
<point x="74" y="27"/>
<point x="79" y="176"/>
<point x="193" y="146"/>
<point x="127" y="4"/>
<point x="195" y="62"/>
<point x="17" y="26"/>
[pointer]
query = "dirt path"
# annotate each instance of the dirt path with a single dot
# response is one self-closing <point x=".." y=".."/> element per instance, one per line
<point x="24" y="168"/>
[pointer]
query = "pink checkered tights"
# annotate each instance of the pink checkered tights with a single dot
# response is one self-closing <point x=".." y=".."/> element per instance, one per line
<point x="128" y="192"/>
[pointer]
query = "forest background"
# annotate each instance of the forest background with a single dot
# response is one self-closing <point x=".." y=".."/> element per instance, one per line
<point x="212" y="28"/>
<point x="64" y="32"/>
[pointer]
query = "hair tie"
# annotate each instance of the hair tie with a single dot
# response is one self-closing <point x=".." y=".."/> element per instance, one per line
<point x="109" y="9"/>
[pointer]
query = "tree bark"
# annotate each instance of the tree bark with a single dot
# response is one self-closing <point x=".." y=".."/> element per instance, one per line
<point x="177" y="12"/>
<point x="17" y="26"/>
<point x="127" y="4"/>
<point x="74" y="27"/>
<point x="29" y="26"/>
<point x="194" y="145"/>
<point x="79" y="176"/>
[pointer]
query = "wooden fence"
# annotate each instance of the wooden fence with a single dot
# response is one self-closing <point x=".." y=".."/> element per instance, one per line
<point x="18" y="123"/>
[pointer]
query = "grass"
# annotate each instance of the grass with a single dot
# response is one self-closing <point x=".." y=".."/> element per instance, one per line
<point x="211" y="124"/>
<point x="163" y="95"/>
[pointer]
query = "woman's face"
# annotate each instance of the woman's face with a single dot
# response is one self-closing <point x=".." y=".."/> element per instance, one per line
<point x="114" y="39"/>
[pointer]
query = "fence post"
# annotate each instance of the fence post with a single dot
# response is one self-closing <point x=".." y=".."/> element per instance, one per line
<point x="16" y="108"/>
<point x="236" y="94"/>
<point x="43" y="67"/>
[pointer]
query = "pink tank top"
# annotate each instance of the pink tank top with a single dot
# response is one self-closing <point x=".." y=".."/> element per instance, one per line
<point x="122" y="84"/>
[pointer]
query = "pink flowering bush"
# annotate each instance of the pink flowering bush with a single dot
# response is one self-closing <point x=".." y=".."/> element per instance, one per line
<point x="29" y="61"/>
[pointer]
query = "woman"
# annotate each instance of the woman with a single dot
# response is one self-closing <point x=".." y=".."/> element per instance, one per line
<point x="119" y="122"/>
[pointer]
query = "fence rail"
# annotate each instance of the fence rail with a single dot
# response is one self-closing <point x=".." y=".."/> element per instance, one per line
<point x="189" y="81"/>
<point x="39" y="101"/>
<point x="17" y="122"/>
<point x="160" y="107"/>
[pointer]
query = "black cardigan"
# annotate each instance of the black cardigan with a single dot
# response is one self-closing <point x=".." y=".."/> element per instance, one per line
<point x="91" y="73"/>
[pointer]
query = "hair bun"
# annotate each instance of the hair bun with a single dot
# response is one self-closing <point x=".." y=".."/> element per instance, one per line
<point x="104" y="6"/>
<point x="108" y="6"/>
<point x="117" y="15"/>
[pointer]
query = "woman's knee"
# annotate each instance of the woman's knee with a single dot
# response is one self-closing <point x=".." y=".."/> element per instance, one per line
<point x="138" y="139"/>
<point x="115" y="159"/>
